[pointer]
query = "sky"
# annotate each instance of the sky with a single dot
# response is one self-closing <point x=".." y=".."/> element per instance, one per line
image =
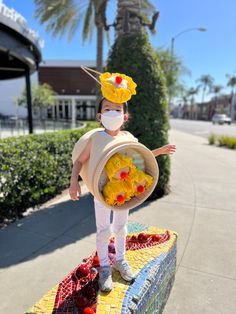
<point x="211" y="52"/>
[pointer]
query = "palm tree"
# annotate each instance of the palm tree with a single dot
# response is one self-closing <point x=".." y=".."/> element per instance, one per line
<point x="232" y="83"/>
<point x="191" y="92"/>
<point x="64" y="16"/>
<point x="173" y="69"/>
<point x="131" y="15"/>
<point x="216" y="89"/>
<point x="206" y="82"/>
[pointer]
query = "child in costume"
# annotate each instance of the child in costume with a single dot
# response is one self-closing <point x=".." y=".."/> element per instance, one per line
<point x="112" y="113"/>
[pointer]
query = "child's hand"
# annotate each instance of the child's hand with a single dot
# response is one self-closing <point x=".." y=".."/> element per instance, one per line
<point x="74" y="189"/>
<point x="168" y="149"/>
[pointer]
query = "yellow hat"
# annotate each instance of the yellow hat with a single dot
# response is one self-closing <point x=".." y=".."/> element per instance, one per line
<point x="117" y="162"/>
<point x="116" y="87"/>
<point x="114" y="188"/>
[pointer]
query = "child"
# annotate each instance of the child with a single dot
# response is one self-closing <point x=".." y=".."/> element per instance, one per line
<point x="112" y="116"/>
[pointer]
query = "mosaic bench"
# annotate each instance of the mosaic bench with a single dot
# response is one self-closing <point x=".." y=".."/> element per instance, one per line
<point x="151" y="252"/>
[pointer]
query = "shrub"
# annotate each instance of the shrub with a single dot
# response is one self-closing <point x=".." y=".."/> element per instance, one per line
<point x="212" y="139"/>
<point x="35" y="168"/>
<point x="228" y="141"/>
<point x="223" y="140"/>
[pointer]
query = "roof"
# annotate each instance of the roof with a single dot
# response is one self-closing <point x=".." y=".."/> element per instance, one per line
<point x="68" y="63"/>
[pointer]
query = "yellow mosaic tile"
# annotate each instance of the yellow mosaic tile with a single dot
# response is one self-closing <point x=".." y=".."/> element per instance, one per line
<point x="137" y="259"/>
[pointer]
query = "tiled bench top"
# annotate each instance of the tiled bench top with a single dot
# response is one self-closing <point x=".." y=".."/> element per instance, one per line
<point x="151" y="253"/>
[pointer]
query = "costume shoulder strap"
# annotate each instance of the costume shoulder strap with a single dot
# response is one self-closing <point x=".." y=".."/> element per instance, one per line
<point x="81" y="143"/>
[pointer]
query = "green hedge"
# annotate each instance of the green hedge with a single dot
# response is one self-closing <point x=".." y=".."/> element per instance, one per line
<point x="35" y="168"/>
<point x="223" y="140"/>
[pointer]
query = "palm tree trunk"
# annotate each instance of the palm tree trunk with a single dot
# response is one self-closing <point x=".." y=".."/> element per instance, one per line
<point x="203" y="97"/>
<point x="127" y="20"/>
<point x="99" y="56"/>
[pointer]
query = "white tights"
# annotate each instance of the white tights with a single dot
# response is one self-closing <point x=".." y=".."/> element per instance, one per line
<point x="119" y="228"/>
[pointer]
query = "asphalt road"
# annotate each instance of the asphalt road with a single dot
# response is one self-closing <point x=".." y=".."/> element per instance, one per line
<point x="202" y="128"/>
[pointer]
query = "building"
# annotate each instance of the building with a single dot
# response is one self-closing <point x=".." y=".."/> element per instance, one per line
<point x="20" y="55"/>
<point x="75" y="91"/>
<point x="204" y="111"/>
<point x="75" y="99"/>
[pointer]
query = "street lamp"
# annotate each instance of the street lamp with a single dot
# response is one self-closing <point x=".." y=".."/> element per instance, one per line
<point x="200" y="29"/>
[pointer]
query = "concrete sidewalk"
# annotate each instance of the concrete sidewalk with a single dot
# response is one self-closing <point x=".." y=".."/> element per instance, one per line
<point x="41" y="249"/>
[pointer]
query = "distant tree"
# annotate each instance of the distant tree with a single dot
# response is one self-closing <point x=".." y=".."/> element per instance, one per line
<point x="191" y="92"/>
<point x="232" y="83"/>
<point x="42" y="97"/>
<point x="173" y="69"/>
<point x="205" y="82"/>
<point x="216" y="89"/>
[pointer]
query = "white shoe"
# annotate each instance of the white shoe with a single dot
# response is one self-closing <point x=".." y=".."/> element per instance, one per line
<point x="125" y="271"/>
<point x="105" y="278"/>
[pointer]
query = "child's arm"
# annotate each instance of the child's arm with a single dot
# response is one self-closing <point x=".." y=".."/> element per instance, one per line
<point x="77" y="166"/>
<point x="167" y="149"/>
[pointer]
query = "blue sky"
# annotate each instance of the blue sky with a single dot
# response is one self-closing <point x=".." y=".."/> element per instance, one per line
<point x="211" y="52"/>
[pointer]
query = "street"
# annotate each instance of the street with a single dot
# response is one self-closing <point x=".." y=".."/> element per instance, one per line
<point x="202" y="128"/>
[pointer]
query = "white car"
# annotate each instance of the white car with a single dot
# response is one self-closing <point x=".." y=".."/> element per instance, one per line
<point x="221" y="119"/>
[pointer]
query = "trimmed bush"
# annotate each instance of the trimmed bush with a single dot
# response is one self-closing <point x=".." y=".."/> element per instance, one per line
<point x="148" y="121"/>
<point x="228" y="141"/>
<point x="223" y="140"/>
<point x="35" y="168"/>
<point x="212" y="139"/>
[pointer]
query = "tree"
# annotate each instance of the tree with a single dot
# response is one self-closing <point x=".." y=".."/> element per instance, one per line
<point x="232" y="83"/>
<point x="42" y="97"/>
<point x="206" y="82"/>
<point x="64" y="16"/>
<point x="191" y="92"/>
<point x="173" y="69"/>
<point x="133" y="55"/>
<point x="216" y="89"/>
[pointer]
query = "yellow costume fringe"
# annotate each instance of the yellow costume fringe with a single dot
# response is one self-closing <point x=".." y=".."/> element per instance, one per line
<point x="117" y="162"/>
<point x="113" y="92"/>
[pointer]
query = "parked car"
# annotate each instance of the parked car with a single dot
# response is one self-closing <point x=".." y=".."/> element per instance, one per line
<point x="221" y="119"/>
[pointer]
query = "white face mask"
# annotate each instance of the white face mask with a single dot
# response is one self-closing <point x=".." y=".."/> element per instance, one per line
<point x="112" y="120"/>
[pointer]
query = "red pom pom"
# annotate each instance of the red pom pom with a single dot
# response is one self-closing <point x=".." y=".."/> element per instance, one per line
<point x="118" y="79"/>
<point x="120" y="198"/>
<point x="88" y="310"/>
<point x="142" y="237"/>
<point x="124" y="175"/>
<point x="133" y="238"/>
<point x="140" y="188"/>
<point x="156" y="237"/>
<point x="83" y="269"/>
<point x="96" y="261"/>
